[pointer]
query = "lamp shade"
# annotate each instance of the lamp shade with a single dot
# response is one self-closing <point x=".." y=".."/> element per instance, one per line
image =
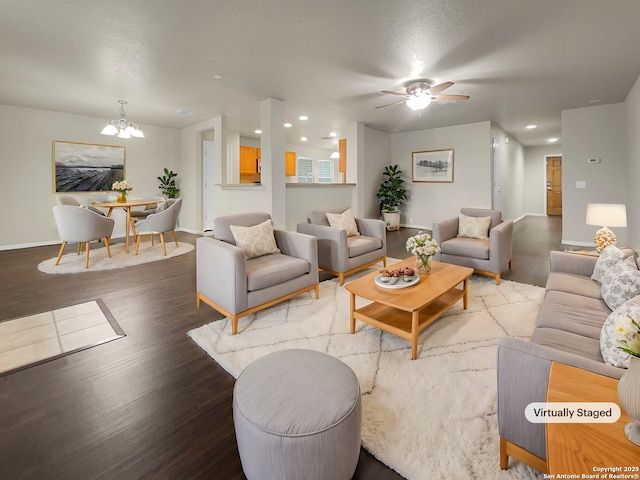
<point x="607" y="214"/>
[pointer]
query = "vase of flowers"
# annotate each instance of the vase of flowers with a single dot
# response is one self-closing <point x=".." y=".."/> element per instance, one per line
<point x="424" y="248"/>
<point x="122" y="187"/>
<point x="629" y="384"/>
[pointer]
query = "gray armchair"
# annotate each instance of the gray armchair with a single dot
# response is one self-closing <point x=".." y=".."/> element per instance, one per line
<point x="79" y="225"/>
<point x="236" y="286"/>
<point x="340" y="254"/>
<point x="164" y="220"/>
<point x="490" y="256"/>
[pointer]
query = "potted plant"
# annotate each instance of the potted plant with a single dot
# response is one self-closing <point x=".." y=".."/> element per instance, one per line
<point x="168" y="184"/>
<point x="392" y="193"/>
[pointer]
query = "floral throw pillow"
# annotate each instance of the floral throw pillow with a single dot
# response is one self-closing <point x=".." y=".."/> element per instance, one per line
<point x="608" y="258"/>
<point x="621" y="283"/>
<point x="344" y="221"/>
<point x="474" y="227"/>
<point x="610" y="333"/>
<point x="257" y="240"/>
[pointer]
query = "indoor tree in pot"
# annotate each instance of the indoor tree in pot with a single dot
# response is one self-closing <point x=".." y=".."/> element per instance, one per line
<point x="168" y="184"/>
<point x="392" y="193"/>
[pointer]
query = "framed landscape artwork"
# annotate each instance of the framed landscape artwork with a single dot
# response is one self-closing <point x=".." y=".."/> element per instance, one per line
<point x="84" y="167"/>
<point x="433" y="166"/>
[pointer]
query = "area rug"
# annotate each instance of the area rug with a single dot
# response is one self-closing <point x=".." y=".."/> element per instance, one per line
<point x="98" y="260"/>
<point x="430" y="418"/>
<point x="39" y="338"/>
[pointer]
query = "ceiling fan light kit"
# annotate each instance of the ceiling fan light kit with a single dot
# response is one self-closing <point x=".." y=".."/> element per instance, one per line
<point x="122" y="126"/>
<point x="420" y="94"/>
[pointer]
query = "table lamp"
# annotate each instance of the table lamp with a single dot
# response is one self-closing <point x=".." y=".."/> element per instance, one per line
<point x="611" y="214"/>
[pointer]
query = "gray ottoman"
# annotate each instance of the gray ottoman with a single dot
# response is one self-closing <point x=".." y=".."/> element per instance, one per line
<point x="297" y="415"/>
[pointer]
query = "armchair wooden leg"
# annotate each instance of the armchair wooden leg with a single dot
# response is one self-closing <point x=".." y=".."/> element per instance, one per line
<point x="138" y="242"/>
<point x="498" y="279"/>
<point x="79" y="248"/>
<point x="234" y="324"/>
<point x="174" y="237"/>
<point x="86" y="258"/>
<point x="164" y="248"/>
<point x="317" y="291"/>
<point x="107" y="246"/>
<point x="64" y="244"/>
<point x="341" y="278"/>
<point x="504" y="458"/>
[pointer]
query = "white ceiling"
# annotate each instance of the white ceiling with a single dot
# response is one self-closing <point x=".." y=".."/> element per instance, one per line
<point x="521" y="61"/>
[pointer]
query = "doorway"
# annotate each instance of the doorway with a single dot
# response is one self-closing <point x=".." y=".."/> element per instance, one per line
<point x="554" y="185"/>
<point x="208" y="185"/>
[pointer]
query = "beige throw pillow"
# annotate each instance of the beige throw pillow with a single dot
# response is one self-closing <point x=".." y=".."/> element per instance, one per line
<point x="257" y="240"/>
<point x="474" y="227"/>
<point x="344" y="221"/>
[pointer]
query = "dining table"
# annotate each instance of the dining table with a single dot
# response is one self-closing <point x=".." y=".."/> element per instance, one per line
<point x="126" y="206"/>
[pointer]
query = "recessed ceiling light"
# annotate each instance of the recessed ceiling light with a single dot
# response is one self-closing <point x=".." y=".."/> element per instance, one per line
<point x="303" y="139"/>
<point x="182" y="111"/>
<point x="303" y="117"/>
<point x="288" y="125"/>
<point x="531" y="127"/>
<point x="258" y="131"/>
<point x="217" y="76"/>
<point x="333" y="134"/>
<point x="552" y="139"/>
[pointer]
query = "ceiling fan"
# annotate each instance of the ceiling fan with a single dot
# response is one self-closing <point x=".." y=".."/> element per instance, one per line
<point x="420" y="94"/>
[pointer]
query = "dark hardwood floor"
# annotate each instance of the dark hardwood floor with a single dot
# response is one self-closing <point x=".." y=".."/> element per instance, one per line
<point x="152" y="404"/>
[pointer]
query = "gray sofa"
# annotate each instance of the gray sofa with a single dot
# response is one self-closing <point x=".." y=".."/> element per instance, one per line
<point x="567" y="331"/>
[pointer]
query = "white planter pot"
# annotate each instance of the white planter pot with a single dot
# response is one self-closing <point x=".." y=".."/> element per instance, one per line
<point x="392" y="220"/>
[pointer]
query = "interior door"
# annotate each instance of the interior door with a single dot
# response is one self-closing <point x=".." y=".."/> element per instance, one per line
<point x="554" y="185"/>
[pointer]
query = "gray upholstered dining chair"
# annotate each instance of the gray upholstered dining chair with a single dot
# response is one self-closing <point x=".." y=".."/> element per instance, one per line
<point x="238" y="277"/>
<point x="165" y="219"/>
<point x="342" y="253"/>
<point x="70" y="200"/>
<point x="477" y="238"/>
<point x="80" y="225"/>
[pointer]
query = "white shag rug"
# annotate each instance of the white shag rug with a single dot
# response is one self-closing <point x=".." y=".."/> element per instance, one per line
<point x="71" y="262"/>
<point x="430" y="418"/>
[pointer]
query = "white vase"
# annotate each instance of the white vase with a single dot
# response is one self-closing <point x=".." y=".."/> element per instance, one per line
<point x="629" y="398"/>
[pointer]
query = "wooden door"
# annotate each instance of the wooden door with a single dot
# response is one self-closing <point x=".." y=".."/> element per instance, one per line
<point x="554" y="185"/>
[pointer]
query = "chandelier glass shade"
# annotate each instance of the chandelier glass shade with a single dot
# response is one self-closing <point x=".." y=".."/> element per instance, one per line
<point x="122" y="126"/>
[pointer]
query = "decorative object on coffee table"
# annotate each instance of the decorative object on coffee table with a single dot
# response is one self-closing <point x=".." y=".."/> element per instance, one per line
<point x="424" y="248"/>
<point x="611" y="214"/>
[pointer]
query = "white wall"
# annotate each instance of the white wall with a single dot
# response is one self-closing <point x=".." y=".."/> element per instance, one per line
<point x="301" y="199"/>
<point x="430" y="202"/>
<point x="377" y="152"/>
<point x="26" y="137"/>
<point x="535" y="173"/>
<point x="512" y="173"/>
<point x="600" y="132"/>
<point x="632" y="120"/>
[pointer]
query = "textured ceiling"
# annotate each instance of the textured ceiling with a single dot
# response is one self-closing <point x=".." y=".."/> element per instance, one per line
<point x="521" y="61"/>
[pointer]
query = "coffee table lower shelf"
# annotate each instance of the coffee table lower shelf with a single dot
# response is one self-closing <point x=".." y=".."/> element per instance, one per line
<point x="401" y="323"/>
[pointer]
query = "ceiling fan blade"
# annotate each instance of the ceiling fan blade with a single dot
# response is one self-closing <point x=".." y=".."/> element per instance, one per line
<point x="449" y="98"/>
<point x="394" y="93"/>
<point x="436" y="89"/>
<point x="389" y="104"/>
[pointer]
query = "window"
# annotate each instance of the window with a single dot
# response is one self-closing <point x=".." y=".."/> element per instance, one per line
<point x="310" y="170"/>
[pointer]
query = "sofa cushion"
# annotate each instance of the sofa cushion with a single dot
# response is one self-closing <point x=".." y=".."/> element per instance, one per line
<point x="608" y="258"/>
<point x="319" y="217"/>
<point x="620" y="283"/>
<point x="473" y="227"/>
<point x="269" y="270"/>
<point x="344" y="221"/>
<point x="256" y="240"/>
<point x="362" y="244"/>
<point x="610" y="335"/>
<point x="568" y="342"/>
<point x="571" y="283"/>
<point x="466" y="247"/>
<point x="573" y="313"/>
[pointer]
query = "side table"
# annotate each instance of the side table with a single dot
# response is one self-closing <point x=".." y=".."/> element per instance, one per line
<point x="584" y="448"/>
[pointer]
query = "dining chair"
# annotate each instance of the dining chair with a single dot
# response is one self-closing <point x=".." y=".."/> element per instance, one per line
<point x="164" y="220"/>
<point x="80" y="225"/>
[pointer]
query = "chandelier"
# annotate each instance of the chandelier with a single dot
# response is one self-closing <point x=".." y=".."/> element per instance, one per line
<point x="122" y="126"/>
